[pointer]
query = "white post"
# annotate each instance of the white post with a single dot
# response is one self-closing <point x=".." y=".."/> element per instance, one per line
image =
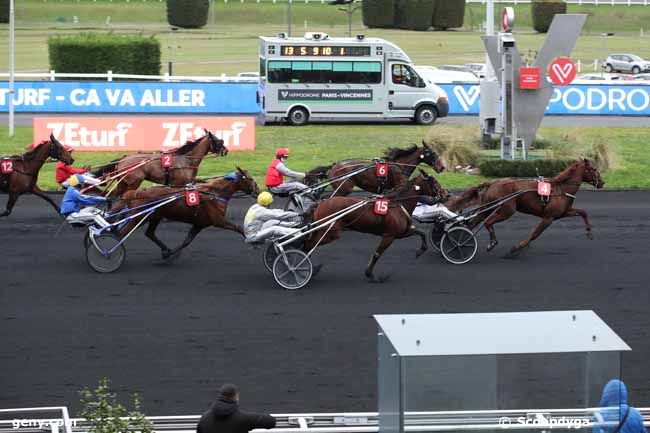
<point x="489" y="31"/>
<point x="12" y="66"/>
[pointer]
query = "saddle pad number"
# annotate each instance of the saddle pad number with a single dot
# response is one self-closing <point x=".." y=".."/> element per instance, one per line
<point x="544" y="189"/>
<point x="192" y="197"/>
<point x="381" y="206"/>
<point x="7" y="166"/>
<point x="382" y="169"/>
<point x="167" y="160"/>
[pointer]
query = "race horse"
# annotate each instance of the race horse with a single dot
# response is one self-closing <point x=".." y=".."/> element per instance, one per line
<point x="20" y="173"/>
<point x="564" y="187"/>
<point x="396" y="224"/>
<point x="133" y="169"/>
<point x="402" y="164"/>
<point x="210" y="212"/>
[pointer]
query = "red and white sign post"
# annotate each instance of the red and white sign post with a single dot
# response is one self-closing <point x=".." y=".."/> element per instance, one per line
<point x="562" y="71"/>
<point x="530" y="78"/>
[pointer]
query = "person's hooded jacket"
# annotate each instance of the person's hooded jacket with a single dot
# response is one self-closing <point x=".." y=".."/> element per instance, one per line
<point x="613" y="411"/>
<point x="225" y="417"/>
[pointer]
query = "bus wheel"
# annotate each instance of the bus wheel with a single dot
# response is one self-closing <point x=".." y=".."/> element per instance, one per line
<point x="426" y="115"/>
<point x="298" y="116"/>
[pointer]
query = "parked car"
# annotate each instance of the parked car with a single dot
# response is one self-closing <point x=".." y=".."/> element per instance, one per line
<point x="457" y="68"/>
<point x="626" y="63"/>
<point x="479" y="69"/>
<point x="442" y="76"/>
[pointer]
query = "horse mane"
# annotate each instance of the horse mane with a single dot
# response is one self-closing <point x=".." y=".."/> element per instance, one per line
<point x="397" y="190"/>
<point x="321" y="170"/>
<point x="188" y="146"/>
<point x="394" y="153"/>
<point x="31" y="154"/>
<point x="566" y="173"/>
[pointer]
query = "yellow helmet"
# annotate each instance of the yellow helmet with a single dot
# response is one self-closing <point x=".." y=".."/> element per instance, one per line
<point x="264" y="198"/>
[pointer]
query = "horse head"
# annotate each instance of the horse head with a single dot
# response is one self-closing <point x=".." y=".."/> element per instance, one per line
<point x="246" y="183"/>
<point x="591" y="174"/>
<point x="318" y="174"/>
<point x="429" y="185"/>
<point x="217" y="145"/>
<point x="58" y="152"/>
<point x="429" y="157"/>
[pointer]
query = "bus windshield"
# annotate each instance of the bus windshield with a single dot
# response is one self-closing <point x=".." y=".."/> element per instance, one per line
<point x="324" y="72"/>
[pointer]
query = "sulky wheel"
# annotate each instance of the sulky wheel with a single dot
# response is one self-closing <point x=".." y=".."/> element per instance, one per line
<point x="293" y="270"/>
<point x="435" y="236"/>
<point x="270" y="254"/>
<point x="458" y="245"/>
<point x="105" y="254"/>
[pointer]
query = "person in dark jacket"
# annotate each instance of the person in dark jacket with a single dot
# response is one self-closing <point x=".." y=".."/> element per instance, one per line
<point x="615" y="415"/>
<point x="225" y="416"/>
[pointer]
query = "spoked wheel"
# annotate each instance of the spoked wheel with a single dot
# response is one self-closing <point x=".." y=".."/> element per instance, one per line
<point x="101" y="260"/>
<point x="435" y="236"/>
<point x="270" y="254"/>
<point x="87" y="240"/>
<point x="458" y="245"/>
<point x="295" y="272"/>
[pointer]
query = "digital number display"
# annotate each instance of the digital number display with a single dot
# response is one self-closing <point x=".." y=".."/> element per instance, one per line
<point x="324" y="51"/>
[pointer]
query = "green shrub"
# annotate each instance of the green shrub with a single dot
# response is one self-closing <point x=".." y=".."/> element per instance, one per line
<point x="448" y="14"/>
<point x="529" y="168"/>
<point x="95" y="53"/>
<point x="188" y="14"/>
<point x="4" y="11"/>
<point x="378" y="13"/>
<point x="543" y="12"/>
<point x="413" y="14"/>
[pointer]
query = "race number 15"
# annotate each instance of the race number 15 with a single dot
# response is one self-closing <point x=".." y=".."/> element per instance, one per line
<point x="381" y="206"/>
<point x="192" y="197"/>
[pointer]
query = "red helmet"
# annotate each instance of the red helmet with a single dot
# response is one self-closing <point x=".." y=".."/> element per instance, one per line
<point x="282" y="152"/>
<point x="68" y="148"/>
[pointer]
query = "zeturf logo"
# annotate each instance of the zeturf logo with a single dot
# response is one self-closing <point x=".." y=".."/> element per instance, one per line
<point x="467" y="98"/>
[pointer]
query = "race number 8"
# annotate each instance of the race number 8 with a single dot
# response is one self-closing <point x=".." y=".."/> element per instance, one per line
<point x="381" y="206"/>
<point x="192" y="198"/>
<point x="382" y="170"/>
<point x="167" y="160"/>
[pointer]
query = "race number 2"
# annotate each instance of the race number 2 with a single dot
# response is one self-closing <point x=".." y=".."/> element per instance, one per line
<point x="167" y="160"/>
<point x="544" y="189"/>
<point x="192" y="197"/>
<point x="6" y="166"/>
<point x="381" y="206"/>
<point x="382" y="169"/>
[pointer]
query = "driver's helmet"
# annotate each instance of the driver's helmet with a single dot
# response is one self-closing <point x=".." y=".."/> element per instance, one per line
<point x="282" y="152"/>
<point x="264" y="198"/>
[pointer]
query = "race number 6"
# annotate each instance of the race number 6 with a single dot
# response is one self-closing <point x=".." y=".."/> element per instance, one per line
<point x="192" y="198"/>
<point x="382" y="170"/>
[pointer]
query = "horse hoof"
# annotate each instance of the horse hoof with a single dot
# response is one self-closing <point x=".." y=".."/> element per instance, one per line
<point x="491" y="245"/>
<point x="419" y="252"/>
<point x="590" y="236"/>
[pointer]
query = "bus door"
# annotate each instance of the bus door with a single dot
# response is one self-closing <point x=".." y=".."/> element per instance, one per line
<point x="405" y="88"/>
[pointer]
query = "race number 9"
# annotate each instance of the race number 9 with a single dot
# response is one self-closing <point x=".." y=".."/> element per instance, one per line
<point x="381" y="206"/>
<point x="167" y="160"/>
<point x="382" y="170"/>
<point x="192" y="197"/>
<point x="7" y="166"/>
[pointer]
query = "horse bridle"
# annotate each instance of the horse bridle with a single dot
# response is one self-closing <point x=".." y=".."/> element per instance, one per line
<point x="214" y="144"/>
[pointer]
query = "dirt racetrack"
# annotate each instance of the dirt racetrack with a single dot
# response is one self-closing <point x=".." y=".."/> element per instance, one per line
<point x="175" y="332"/>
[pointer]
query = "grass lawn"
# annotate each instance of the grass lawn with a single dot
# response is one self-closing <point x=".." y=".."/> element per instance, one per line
<point x="231" y="45"/>
<point x="321" y="144"/>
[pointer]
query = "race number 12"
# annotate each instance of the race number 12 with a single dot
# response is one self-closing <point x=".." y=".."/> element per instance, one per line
<point x="7" y="166"/>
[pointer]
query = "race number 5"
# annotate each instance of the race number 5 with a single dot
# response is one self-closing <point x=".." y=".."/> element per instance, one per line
<point x="382" y="169"/>
<point x="7" y="166"/>
<point x="167" y="160"/>
<point x="381" y="206"/>
<point x="192" y="197"/>
<point x="544" y="189"/>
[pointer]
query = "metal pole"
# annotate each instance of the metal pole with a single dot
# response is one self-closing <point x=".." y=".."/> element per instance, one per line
<point x="12" y="66"/>
<point x="350" y="12"/>
<point x="489" y="31"/>
<point x="289" y="17"/>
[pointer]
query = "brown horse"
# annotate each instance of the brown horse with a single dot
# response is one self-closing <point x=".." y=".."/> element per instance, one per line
<point x="564" y="187"/>
<point x="148" y="166"/>
<point x="210" y="212"/>
<point x="396" y="224"/>
<point x="402" y="163"/>
<point x="25" y="172"/>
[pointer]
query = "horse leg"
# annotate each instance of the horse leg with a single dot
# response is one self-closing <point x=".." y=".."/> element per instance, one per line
<point x="534" y="235"/>
<point x="195" y="230"/>
<point x="232" y="226"/>
<point x="502" y="214"/>
<point x="151" y="234"/>
<point x="11" y="202"/>
<point x="413" y="231"/>
<point x="386" y="241"/>
<point x="39" y="193"/>
<point x="573" y="212"/>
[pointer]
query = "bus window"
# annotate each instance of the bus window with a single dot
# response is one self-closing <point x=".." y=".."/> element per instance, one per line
<point x="262" y="67"/>
<point x="404" y="74"/>
<point x="325" y="72"/>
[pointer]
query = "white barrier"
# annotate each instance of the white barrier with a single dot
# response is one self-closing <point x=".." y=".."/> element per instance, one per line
<point x="110" y="76"/>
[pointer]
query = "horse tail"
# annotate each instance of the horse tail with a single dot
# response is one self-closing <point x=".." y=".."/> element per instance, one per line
<point x="469" y="197"/>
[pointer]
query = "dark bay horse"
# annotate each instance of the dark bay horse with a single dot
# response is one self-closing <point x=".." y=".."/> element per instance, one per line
<point x="210" y="212"/>
<point x="397" y="224"/>
<point x="402" y="164"/>
<point x="564" y="187"/>
<point x="186" y="160"/>
<point x="26" y="168"/>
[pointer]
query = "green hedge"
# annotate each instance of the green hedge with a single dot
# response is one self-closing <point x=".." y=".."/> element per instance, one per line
<point x="448" y="14"/>
<point x="4" y="11"/>
<point x="414" y="14"/>
<point x="95" y="53"/>
<point x="529" y="168"/>
<point x="543" y="12"/>
<point x="378" y="13"/>
<point x="188" y="14"/>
